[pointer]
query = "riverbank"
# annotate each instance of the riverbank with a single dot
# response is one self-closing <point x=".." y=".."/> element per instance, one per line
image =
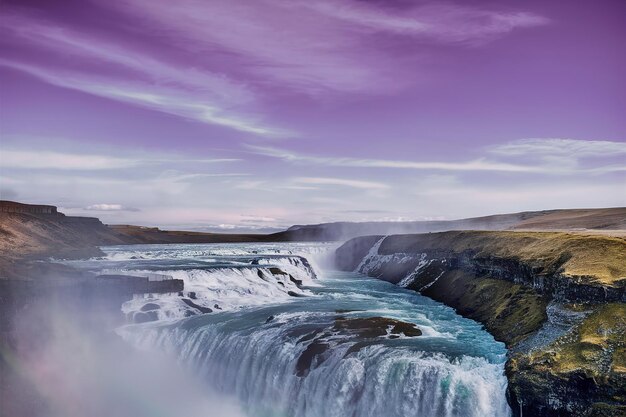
<point x="33" y="232"/>
<point x="521" y="285"/>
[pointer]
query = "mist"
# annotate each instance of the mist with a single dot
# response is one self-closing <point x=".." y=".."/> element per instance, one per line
<point x="61" y="358"/>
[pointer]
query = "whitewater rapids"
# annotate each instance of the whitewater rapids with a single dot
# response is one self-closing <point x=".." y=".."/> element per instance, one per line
<point x="272" y="338"/>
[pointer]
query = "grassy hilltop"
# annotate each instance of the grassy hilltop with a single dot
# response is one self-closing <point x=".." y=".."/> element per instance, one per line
<point x="591" y="257"/>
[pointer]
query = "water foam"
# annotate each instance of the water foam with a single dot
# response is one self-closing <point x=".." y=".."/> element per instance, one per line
<point x="377" y="380"/>
<point x="250" y="346"/>
<point x="226" y="288"/>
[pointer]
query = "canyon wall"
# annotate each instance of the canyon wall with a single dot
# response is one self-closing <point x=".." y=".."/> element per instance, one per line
<point x="555" y="299"/>
<point x="15" y="207"/>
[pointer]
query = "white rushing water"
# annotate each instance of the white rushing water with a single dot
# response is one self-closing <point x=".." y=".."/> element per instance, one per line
<point x="274" y="338"/>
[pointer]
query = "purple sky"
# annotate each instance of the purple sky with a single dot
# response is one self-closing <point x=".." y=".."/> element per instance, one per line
<point x="260" y="114"/>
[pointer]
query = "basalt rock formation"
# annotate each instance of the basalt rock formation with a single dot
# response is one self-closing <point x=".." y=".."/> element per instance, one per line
<point x="556" y="300"/>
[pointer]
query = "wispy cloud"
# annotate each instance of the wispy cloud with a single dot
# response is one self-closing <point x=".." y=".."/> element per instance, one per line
<point x="40" y="159"/>
<point x="322" y="45"/>
<point x="564" y="151"/>
<point x="475" y="165"/>
<point x="176" y="176"/>
<point x="109" y="207"/>
<point x="366" y="185"/>
<point x="33" y="160"/>
<point x="441" y="22"/>
<point x="138" y="78"/>
<point x="555" y="146"/>
<point x="229" y="56"/>
<point x="251" y="218"/>
<point x="598" y="156"/>
<point x="71" y="43"/>
<point x="180" y="103"/>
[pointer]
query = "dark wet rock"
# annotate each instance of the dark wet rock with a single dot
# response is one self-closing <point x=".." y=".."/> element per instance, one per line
<point x="281" y="284"/>
<point x="307" y="266"/>
<point x="355" y="348"/>
<point x="295" y="294"/>
<point x="189" y="313"/>
<point x="217" y="306"/>
<point x="406" y="329"/>
<point x="370" y="327"/>
<point x="134" y="284"/>
<point x="309" y="331"/>
<point x="150" y="307"/>
<point x="269" y="319"/>
<point x="314" y="350"/>
<point x="298" y="282"/>
<point x="144" y="317"/>
<point x="321" y="336"/>
<point x="180" y="294"/>
<point x="350" y="254"/>
<point x="277" y="271"/>
<point x="192" y="295"/>
<point x="196" y="306"/>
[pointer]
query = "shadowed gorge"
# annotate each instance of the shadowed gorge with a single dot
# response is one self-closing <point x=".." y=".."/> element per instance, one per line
<point x="555" y="299"/>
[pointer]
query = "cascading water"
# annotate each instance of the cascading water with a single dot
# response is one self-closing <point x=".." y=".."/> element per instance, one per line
<point x="288" y="344"/>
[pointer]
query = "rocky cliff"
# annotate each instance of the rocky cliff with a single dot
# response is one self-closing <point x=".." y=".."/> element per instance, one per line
<point x="29" y="235"/>
<point x="555" y="299"/>
<point x="32" y="232"/>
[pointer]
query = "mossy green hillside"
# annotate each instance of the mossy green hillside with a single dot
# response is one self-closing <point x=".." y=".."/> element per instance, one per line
<point x="510" y="312"/>
<point x="593" y="258"/>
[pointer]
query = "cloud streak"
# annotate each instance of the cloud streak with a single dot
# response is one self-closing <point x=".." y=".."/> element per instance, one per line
<point x="322" y="45"/>
<point x="31" y="160"/>
<point x="365" y="185"/>
<point x="229" y="56"/>
<point x="71" y="43"/>
<point x="109" y="207"/>
<point x="476" y="165"/>
<point x="175" y="102"/>
<point x="556" y="146"/>
<point x="538" y="147"/>
<point x="47" y="159"/>
<point x="440" y="22"/>
<point x="138" y="78"/>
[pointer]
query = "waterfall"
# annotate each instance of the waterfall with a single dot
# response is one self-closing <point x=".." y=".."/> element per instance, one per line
<point x="259" y="323"/>
<point x="226" y="288"/>
<point x="258" y="361"/>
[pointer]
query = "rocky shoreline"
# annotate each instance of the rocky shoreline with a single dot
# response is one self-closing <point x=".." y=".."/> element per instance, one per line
<point x="556" y="300"/>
